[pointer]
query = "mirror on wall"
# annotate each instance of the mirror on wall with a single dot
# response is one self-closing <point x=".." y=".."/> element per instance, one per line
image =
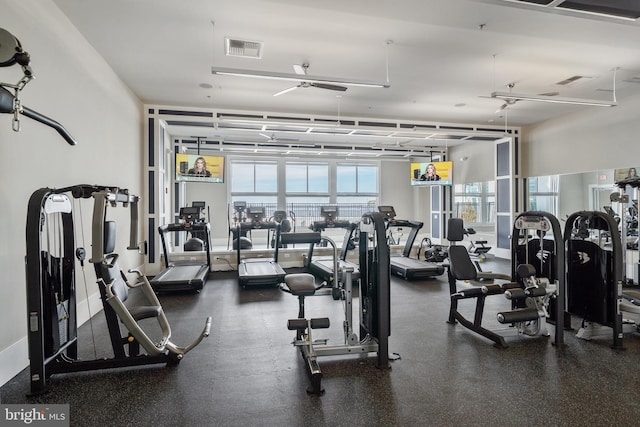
<point x="563" y="195"/>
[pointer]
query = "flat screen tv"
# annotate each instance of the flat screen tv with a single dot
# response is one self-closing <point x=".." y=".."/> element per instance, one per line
<point x="620" y="174"/>
<point x="199" y="168"/>
<point x="431" y="173"/>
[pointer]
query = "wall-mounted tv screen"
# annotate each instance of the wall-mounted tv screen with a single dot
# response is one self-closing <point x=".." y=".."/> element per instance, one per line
<point x="620" y="174"/>
<point x="432" y="173"/>
<point x="199" y="168"/>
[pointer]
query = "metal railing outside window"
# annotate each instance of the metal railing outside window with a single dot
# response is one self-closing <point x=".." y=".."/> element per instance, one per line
<point x="306" y="214"/>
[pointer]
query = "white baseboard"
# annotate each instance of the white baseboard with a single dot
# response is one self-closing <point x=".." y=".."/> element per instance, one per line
<point x="15" y="358"/>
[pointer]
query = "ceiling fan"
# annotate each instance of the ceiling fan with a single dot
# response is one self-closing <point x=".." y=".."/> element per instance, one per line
<point x="272" y="138"/>
<point x="302" y="70"/>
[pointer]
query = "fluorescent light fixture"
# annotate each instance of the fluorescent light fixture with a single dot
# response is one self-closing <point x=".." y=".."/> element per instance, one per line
<point x="510" y="96"/>
<point x="294" y="77"/>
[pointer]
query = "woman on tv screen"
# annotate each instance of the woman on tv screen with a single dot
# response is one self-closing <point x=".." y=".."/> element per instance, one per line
<point x="199" y="167"/>
<point x="430" y="173"/>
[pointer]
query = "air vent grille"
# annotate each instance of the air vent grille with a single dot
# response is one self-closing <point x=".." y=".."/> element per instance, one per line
<point x="243" y="48"/>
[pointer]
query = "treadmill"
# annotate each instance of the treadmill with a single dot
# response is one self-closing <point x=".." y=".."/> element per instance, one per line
<point x="185" y="275"/>
<point x="258" y="271"/>
<point x="322" y="266"/>
<point x="403" y="265"/>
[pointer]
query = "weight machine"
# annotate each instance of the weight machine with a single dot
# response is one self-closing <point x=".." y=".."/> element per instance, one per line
<point x="530" y="293"/>
<point x="595" y="277"/>
<point x="51" y="288"/>
<point x="375" y="318"/>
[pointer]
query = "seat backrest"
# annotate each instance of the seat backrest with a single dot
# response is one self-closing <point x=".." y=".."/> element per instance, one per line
<point x="110" y="269"/>
<point x="460" y="263"/>
<point x="455" y="230"/>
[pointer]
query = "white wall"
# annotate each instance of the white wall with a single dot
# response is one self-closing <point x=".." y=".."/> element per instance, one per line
<point x="75" y="87"/>
<point x="473" y="162"/>
<point x="592" y="139"/>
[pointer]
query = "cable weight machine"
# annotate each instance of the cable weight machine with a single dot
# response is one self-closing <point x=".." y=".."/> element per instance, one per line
<point x="51" y="288"/>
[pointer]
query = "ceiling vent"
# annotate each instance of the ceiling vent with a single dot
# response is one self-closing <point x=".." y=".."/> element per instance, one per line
<point x="573" y="80"/>
<point x="617" y="9"/>
<point x="243" y="48"/>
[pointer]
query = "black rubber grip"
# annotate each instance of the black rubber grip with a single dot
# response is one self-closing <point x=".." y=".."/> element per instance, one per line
<point x="297" y="324"/>
<point x="536" y="292"/>
<point x="516" y="316"/>
<point x="492" y="289"/>
<point x="515" y="294"/>
<point x="320" y="323"/>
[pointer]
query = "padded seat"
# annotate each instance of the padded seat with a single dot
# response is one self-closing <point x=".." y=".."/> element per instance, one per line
<point x="301" y="284"/>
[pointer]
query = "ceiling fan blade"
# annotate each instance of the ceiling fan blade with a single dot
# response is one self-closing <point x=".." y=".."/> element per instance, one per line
<point x="299" y="69"/>
<point x="282" y="92"/>
<point x="328" y="86"/>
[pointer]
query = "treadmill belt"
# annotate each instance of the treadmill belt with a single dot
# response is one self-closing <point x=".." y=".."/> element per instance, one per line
<point x="181" y="277"/>
<point x="257" y="272"/>
<point x="414" y="269"/>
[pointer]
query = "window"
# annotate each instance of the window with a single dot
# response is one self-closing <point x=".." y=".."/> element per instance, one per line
<point x="357" y="183"/>
<point x="307" y="178"/>
<point x="543" y="194"/>
<point x="301" y="186"/>
<point x="475" y="203"/>
<point x="254" y="182"/>
<point x="254" y="177"/>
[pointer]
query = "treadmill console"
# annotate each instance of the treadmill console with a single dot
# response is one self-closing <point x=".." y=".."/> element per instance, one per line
<point x="191" y="214"/>
<point x="330" y="219"/>
<point x="239" y="206"/>
<point x="255" y="214"/>
<point x="388" y="211"/>
<point x="329" y="213"/>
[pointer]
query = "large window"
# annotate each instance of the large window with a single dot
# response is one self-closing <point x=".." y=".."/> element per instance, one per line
<point x="254" y="181"/>
<point x="357" y="183"/>
<point x="475" y="203"/>
<point x="307" y="178"/>
<point x="303" y="186"/>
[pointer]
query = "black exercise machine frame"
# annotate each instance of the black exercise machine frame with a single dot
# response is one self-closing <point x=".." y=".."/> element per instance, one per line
<point x="481" y="293"/>
<point x="375" y="315"/>
<point x="48" y="355"/>
<point x="592" y="220"/>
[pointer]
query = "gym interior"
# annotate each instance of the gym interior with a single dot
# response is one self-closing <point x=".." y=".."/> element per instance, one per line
<point x="365" y="293"/>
